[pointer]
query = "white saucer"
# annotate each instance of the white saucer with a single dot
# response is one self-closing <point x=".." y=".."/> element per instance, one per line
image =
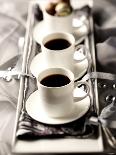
<point x="40" y="30"/>
<point x="35" y="110"/>
<point x="38" y="64"/>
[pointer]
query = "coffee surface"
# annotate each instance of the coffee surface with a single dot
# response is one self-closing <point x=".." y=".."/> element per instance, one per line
<point x="57" y="44"/>
<point x="55" y="80"/>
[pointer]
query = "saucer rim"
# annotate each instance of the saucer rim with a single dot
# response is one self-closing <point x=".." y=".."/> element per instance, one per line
<point x="35" y="58"/>
<point x="57" y="121"/>
<point x="37" y="40"/>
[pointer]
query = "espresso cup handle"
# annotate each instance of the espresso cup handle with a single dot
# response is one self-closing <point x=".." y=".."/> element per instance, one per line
<point x="78" y="83"/>
<point x="80" y="51"/>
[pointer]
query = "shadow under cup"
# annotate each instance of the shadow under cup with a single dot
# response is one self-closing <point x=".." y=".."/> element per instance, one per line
<point x="55" y="86"/>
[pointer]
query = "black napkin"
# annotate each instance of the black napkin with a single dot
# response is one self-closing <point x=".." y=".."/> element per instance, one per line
<point x="29" y="128"/>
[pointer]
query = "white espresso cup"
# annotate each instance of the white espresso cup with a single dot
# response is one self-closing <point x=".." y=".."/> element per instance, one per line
<point x="58" y="23"/>
<point x="56" y="87"/>
<point x="58" y="50"/>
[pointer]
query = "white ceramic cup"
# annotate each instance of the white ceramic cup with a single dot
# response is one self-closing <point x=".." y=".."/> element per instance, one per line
<point x="63" y="57"/>
<point x="58" y="23"/>
<point x="58" y="101"/>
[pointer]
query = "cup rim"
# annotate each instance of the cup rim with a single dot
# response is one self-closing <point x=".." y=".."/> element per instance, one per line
<point x="66" y="70"/>
<point x="58" y="35"/>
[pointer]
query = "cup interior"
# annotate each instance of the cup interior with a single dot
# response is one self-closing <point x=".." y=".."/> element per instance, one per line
<point x="58" y="41"/>
<point x="55" y="77"/>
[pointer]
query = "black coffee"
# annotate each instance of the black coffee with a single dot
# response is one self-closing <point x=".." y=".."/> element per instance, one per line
<point x="55" y="80"/>
<point x="57" y="44"/>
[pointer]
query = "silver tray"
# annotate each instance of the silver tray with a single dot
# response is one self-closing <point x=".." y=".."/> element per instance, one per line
<point x="71" y="145"/>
